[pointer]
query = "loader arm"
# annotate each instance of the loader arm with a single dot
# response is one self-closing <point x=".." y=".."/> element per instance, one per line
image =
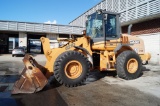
<point x="52" y="54"/>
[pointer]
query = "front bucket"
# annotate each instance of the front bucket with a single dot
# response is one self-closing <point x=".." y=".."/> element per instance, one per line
<point x="32" y="78"/>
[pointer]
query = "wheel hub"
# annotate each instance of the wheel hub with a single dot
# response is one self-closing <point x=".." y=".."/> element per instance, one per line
<point x="132" y="65"/>
<point x="73" y="69"/>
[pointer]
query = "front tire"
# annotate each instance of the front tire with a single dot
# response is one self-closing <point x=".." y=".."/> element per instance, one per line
<point x="71" y="68"/>
<point x="129" y="65"/>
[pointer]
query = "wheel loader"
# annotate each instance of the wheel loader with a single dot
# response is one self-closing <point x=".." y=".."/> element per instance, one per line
<point x="101" y="46"/>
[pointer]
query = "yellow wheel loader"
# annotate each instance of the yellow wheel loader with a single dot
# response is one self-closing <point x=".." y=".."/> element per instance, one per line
<point x="101" y="46"/>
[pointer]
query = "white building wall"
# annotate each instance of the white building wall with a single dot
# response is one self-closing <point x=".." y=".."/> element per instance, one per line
<point x="152" y="46"/>
<point x="52" y="36"/>
<point x="53" y="40"/>
<point x="22" y="39"/>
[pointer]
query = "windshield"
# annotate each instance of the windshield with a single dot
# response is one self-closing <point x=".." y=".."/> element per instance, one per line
<point x="94" y="27"/>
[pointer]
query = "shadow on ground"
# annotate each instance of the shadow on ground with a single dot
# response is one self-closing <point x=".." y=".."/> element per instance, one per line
<point x="145" y="69"/>
<point x="49" y="97"/>
<point x="93" y="76"/>
<point x="97" y="75"/>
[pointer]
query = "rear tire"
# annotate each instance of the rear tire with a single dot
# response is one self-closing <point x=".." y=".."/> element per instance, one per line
<point x="129" y="65"/>
<point x="71" y="68"/>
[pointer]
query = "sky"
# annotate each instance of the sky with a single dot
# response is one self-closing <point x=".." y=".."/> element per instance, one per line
<point x="44" y="11"/>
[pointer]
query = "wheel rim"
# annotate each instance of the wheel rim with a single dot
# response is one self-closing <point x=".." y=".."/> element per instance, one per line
<point x="73" y="69"/>
<point x="132" y="65"/>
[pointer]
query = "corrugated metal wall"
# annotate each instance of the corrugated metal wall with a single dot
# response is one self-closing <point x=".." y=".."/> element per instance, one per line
<point x="39" y="27"/>
<point x="129" y="9"/>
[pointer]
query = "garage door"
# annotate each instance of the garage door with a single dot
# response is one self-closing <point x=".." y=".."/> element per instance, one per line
<point x="152" y="45"/>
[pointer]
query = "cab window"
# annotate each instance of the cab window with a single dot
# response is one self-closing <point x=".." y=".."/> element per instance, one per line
<point x="110" y="26"/>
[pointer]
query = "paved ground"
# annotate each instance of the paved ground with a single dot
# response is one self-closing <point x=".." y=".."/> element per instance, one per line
<point x="8" y="57"/>
<point x="107" y="91"/>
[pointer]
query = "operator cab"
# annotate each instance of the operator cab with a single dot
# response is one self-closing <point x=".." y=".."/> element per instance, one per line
<point x="103" y="25"/>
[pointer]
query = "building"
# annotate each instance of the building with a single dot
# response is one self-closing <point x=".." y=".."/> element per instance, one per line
<point x="144" y="15"/>
<point x="13" y="34"/>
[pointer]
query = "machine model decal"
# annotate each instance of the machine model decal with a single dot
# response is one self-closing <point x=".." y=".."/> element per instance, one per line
<point x="134" y="42"/>
<point x="70" y="46"/>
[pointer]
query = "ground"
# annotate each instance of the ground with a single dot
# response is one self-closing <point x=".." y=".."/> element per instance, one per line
<point x="107" y="90"/>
